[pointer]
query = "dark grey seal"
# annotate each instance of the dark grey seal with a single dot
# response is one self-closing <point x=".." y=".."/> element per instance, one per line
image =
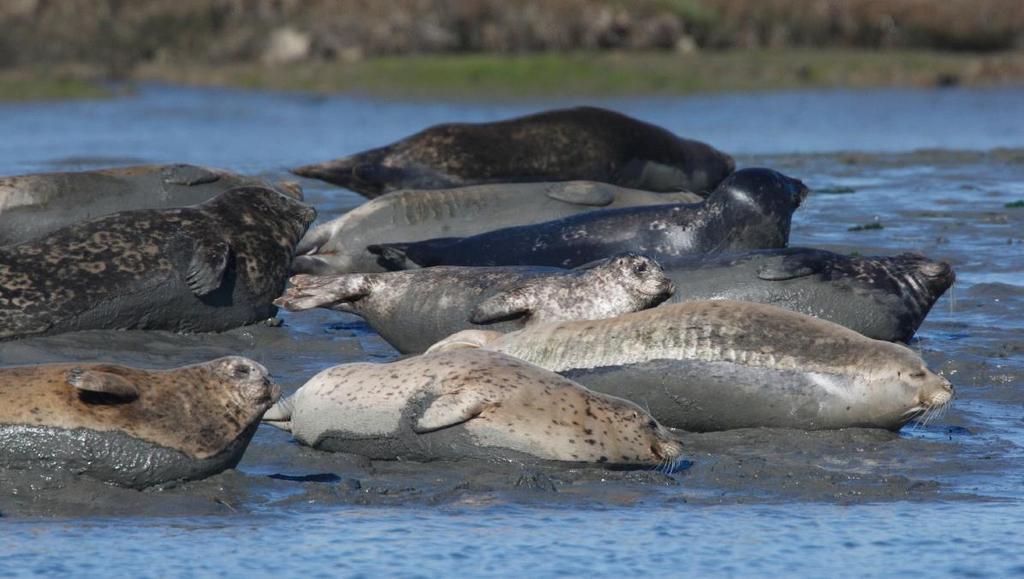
<point x="129" y="426"/>
<point x="751" y="209"/>
<point x="209" y="267"/>
<point x="585" y="143"/>
<point x="885" y="298"/>
<point x="33" y="205"/>
<point x="414" y="309"/>
<point x="339" y="246"/>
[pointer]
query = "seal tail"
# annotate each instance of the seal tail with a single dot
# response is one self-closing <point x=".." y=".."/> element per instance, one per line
<point x="412" y="255"/>
<point x="280" y="415"/>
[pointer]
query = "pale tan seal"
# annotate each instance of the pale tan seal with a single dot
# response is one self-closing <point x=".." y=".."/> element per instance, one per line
<point x="131" y="426"/>
<point x="717" y="365"/>
<point x="469" y="404"/>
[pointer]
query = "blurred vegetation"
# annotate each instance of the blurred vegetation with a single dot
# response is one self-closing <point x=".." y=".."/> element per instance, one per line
<point x="532" y="46"/>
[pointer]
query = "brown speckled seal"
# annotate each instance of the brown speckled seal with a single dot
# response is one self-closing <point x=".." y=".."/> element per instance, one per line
<point x="131" y="426"/>
<point x="209" y="267"/>
<point x="587" y="143"/>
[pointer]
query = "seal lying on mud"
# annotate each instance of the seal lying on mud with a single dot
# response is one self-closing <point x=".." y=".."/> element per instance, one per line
<point x="339" y="246"/>
<point x="719" y="365"/>
<point x="468" y="404"/>
<point x="751" y="209"/>
<point x="885" y="298"/>
<point x="33" y="205"/>
<point x="585" y="143"/>
<point x="414" y="309"/>
<point x="132" y="427"/>
<point x="210" y="267"/>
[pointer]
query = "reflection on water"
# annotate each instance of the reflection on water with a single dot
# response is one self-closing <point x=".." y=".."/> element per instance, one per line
<point x="792" y="502"/>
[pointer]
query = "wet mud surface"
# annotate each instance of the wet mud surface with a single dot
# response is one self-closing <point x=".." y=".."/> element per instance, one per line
<point x="948" y="205"/>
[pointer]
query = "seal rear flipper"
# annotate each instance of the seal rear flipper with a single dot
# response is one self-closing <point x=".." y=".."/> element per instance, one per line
<point x="464" y="340"/>
<point x="311" y="264"/>
<point x="505" y="305"/>
<point x="206" y="269"/>
<point x="103" y="380"/>
<point x="313" y="291"/>
<point x="450" y="409"/>
<point x="583" y="193"/>
<point x="280" y="415"/>
<point x="399" y="256"/>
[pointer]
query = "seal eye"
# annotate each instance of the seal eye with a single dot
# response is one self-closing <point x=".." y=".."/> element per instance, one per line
<point x="241" y="371"/>
<point x="640" y="268"/>
<point x="652" y="423"/>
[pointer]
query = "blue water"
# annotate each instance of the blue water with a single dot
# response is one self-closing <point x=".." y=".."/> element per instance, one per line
<point x="949" y="205"/>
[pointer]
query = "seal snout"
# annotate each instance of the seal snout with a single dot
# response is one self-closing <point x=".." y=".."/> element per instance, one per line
<point x="667" y="450"/>
<point x="938" y="393"/>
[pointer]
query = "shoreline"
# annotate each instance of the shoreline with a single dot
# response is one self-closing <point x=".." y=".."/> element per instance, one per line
<point x="546" y="75"/>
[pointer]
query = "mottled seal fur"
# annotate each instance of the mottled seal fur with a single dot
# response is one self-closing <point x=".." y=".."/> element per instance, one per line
<point x="720" y="364"/>
<point x="33" y="205"/>
<point x="751" y="209"/>
<point x="129" y="426"/>
<point x="209" y="267"/>
<point x="339" y="246"/>
<point x="414" y="309"/>
<point x="469" y="404"/>
<point x="585" y="143"/>
<point x="885" y="298"/>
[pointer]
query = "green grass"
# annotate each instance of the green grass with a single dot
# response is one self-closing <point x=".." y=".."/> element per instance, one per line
<point x="32" y="87"/>
<point x="556" y="74"/>
<point x="1016" y="205"/>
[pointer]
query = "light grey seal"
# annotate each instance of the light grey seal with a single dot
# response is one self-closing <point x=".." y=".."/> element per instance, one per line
<point x="885" y="298"/>
<point x="751" y="209"/>
<point x="129" y="426"/>
<point x="414" y="309"/>
<point x="719" y="365"/>
<point x="339" y="246"/>
<point x="469" y="404"/>
<point x="33" y="205"/>
<point x="584" y="143"/>
<point x="210" y="267"/>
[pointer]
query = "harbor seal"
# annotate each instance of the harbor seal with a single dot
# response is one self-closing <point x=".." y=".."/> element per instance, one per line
<point x="469" y="404"/>
<point x="339" y="246"/>
<point x="583" y="143"/>
<point x="33" y="205"/>
<point x="414" y="309"/>
<point x="128" y="426"/>
<point x="751" y="209"/>
<point x="885" y="298"/>
<point x="720" y="365"/>
<point x="209" y="267"/>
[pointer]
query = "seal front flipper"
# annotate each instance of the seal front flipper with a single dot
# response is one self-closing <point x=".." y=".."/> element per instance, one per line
<point x="792" y="266"/>
<point x="206" y="269"/>
<point x="450" y="409"/>
<point x="103" y="380"/>
<point x="505" y="305"/>
<point x="398" y="256"/>
<point x="583" y="193"/>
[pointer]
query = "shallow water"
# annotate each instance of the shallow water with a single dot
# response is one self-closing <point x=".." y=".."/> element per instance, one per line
<point x="934" y="167"/>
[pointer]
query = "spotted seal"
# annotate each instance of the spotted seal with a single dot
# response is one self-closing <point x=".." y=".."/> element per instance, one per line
<point x="414" y="309"/>
<point x="720" y="364"/>
<point x="339" y="246"/>
<point x="587" y="143"/>
<point x="34" y="205"/>
<point x="129" y="426"/>
<point x="885" y="298"/>
<point x="469" y="404"/>
<point x="208" y="267"/>
<point x="751" y="209"/>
